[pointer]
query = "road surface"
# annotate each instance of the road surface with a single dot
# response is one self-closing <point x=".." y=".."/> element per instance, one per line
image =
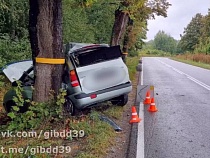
<point x="181" y="127"/>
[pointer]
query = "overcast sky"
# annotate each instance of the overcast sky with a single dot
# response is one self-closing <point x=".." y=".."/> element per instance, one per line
<point x="179" y="16"/>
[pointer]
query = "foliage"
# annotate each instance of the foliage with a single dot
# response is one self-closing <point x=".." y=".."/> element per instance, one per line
<point x="133" y="52"/>
<point x="13" y="50"/>
<point x="87" y="24"/>
<point x="165" y="42"/>
<point x="101" y="16"/>
<point x="36" y="113"/>
<point x="192" y="33"/>
<point x="140" y="12"/>
<point x="204" y="40"/>
<point x="153" y="52"/>
<point x="14" y="18"/>
<point x="75" y="24"/>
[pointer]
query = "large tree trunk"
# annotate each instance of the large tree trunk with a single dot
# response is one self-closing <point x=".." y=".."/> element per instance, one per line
<point x="126" y="39"/>
<point x="46" y="42"/>
<point x="119" y="27"/>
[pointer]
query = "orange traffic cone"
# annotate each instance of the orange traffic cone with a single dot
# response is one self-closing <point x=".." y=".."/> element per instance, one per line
<point x="152" y="107"/>
<point x="147" y="99"/>
<point x="134" y="117"/>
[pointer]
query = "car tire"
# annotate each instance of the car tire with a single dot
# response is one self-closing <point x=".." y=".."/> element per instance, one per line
<point x="69" y="108"/>
<point x="121" y="100"/>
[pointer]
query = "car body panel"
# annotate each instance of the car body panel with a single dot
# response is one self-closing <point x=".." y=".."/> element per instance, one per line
<point x="13" y="71"/>
<point x="102" y="75"/>
<point x="86" y="101"/>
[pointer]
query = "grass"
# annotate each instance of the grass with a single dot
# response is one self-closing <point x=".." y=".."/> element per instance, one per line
<point x="131" y="63"/>
<point x="99" y="136"/>
<point x="200" y="60"/>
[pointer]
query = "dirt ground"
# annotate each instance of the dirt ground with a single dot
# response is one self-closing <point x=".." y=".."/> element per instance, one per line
<point x="122" y="140"/>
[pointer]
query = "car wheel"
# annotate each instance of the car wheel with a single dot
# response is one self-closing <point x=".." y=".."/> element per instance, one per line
<point x="121" y="100"/>
<point x="69" y="108"/>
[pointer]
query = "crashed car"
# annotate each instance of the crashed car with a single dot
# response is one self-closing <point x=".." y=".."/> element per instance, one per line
<point x="93" y="73"/>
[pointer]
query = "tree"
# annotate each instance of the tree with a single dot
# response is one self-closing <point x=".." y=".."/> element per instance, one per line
<point x="45" y="27"/>
<point x="165" y="42"/>
<point x="137" y="11"/>
<point x="204" y="40"/>
<point x="192" y="33"/>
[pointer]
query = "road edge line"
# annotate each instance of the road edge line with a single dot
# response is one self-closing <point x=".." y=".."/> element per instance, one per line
<point x="140" y="135"/>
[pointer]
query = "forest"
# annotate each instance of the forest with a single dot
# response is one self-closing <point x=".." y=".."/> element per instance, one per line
<point x="83" y="21"/>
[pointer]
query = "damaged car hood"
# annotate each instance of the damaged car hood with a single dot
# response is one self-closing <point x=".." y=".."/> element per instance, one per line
<point x="15" y="70"/>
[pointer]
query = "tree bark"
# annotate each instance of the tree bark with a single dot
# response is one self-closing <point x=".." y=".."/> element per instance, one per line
<point x="46" y="42"/>
<point x="126" y="39"/>
<point x="119" y="27"/>
<point x="33" y="13"/>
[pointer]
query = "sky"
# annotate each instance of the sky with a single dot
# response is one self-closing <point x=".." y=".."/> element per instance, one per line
<point x="179" y="16"/>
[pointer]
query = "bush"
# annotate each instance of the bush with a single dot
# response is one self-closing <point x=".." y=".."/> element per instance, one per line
<point x="154" y="52"/>
<point x="13" y="50"/>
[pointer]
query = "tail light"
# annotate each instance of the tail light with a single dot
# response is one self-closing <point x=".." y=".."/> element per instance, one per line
<point x="92" y="96"/>
<point x="73" y="78"/>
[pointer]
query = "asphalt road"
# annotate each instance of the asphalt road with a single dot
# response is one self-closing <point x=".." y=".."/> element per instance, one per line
<point x="181" y="127"/>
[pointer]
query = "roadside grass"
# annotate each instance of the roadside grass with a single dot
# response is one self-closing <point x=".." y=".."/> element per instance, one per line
<point x="98" y="136"/>
<point x="200" y="60"/>
<point x="153" y="53"/>
<point x="131" y="63"/>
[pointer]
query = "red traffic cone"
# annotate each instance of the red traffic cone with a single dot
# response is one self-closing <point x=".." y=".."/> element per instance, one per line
<point x="152" y="107"/>
<point x="134" y="117"/>
<point x="147" y="99"/>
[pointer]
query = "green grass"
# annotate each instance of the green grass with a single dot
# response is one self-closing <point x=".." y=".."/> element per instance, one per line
<point x="199" y="64"/>
<point x="99" y="136"/>
<point x="131" y="63"/>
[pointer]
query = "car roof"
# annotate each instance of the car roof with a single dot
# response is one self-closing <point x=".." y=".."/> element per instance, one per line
<point x="76" y="47"/>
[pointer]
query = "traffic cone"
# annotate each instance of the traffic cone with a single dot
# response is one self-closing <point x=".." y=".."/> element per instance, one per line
<point x="134" y="117"/>
<point x="152" y="107"/>
<point x="147" y="99"/>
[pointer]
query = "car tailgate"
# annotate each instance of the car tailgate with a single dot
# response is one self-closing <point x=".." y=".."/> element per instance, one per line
<point x="102" y="75"/>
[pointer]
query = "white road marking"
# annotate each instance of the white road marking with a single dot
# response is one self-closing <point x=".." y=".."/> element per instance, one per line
<point x="188" y="76"/>
<point x="198" y="82"/>
<point x="178" y="71"/>
<point x="140" y="136"/>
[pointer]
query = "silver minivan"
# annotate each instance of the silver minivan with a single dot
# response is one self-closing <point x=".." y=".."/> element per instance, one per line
<point x="97" y="73"/>
<point x="93" y="73"/>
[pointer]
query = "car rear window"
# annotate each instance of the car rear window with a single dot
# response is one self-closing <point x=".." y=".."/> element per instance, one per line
<point x="95" y="55"/>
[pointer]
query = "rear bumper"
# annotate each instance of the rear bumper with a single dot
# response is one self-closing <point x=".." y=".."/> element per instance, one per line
<point x="83" y="100"/>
